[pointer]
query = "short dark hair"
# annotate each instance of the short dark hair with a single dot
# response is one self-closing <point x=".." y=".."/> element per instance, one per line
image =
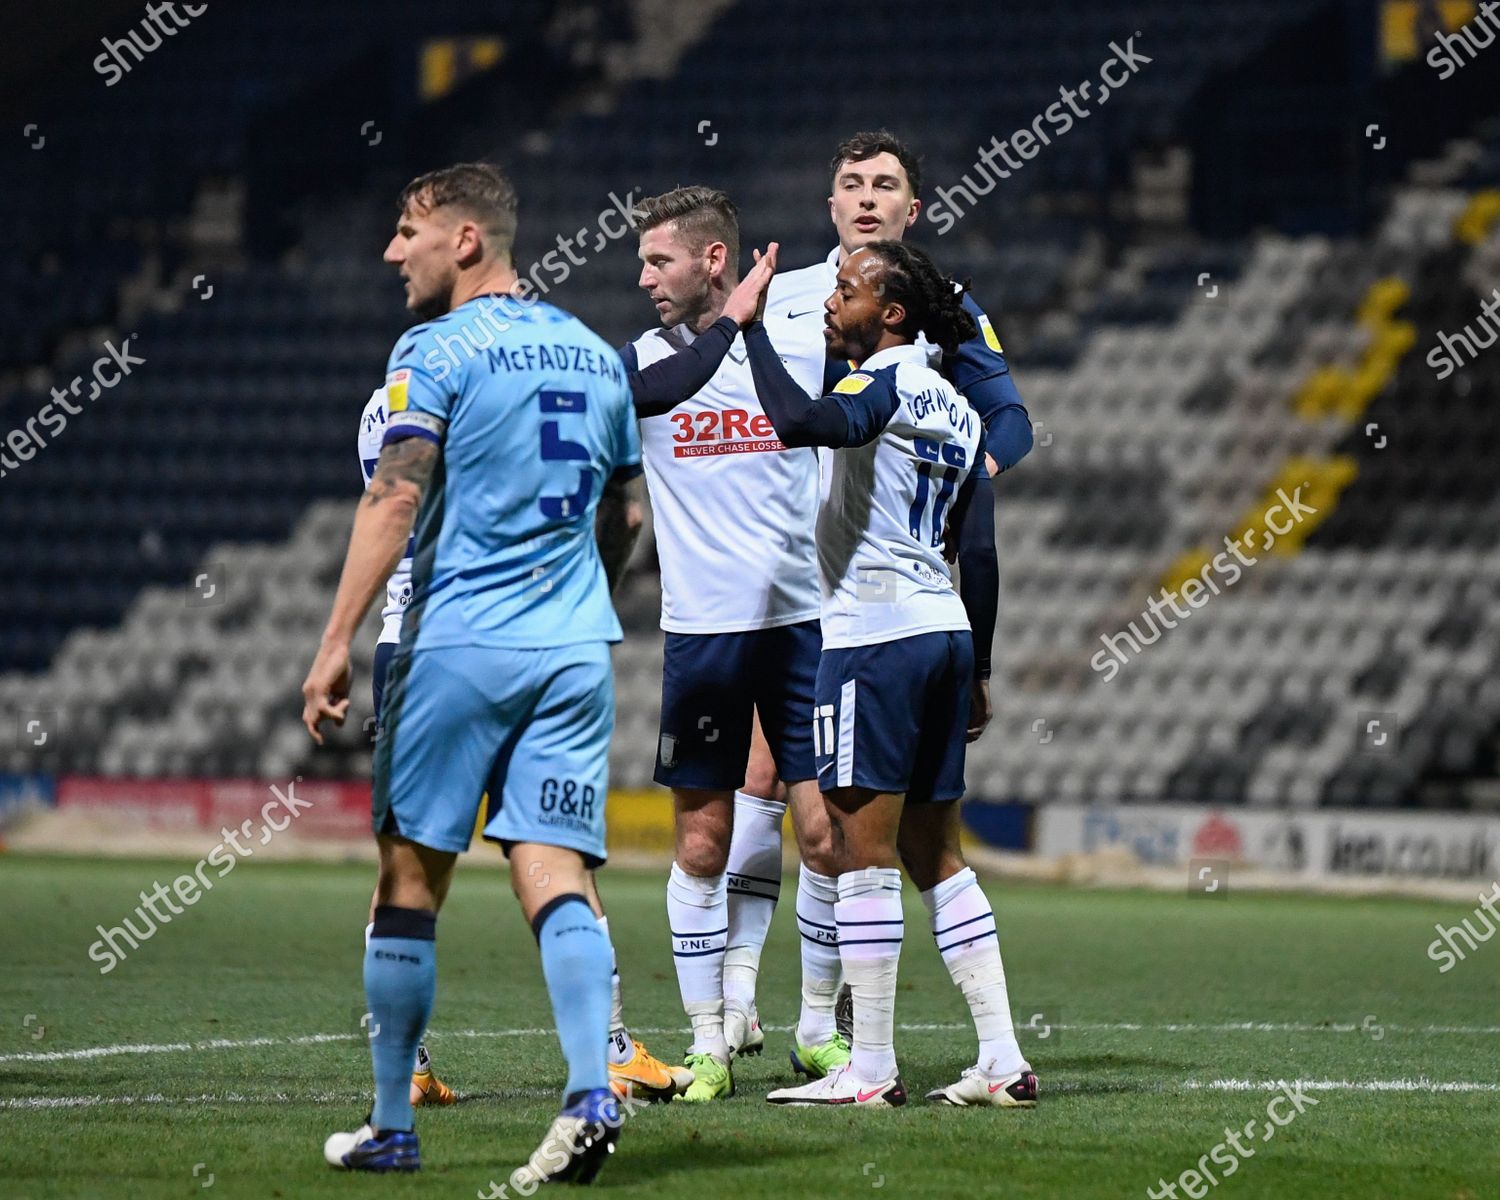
<point x="879" y="141"/>
<point x="934" y="303"/>
<point x="482" y="190"/>
<point x="703" y="215"/>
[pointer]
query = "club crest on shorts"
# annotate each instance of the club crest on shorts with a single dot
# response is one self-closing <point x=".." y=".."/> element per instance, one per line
<point x="667" y="752"/>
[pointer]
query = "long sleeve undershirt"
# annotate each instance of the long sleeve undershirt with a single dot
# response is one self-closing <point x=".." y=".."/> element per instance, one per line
<point x="662" y="386"/>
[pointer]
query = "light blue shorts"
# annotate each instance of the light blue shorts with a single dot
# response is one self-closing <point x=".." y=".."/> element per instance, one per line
<point x="529" y="727"/>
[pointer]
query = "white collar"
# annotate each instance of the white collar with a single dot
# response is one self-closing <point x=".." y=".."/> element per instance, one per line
<point x="892" y="355"/>
<point x="684" y="332"/>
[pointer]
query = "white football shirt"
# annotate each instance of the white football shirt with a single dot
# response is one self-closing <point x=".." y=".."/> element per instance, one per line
<point x="733" y="508"/>
<point x="794" y="310"/>
<point x="884" y="505"/>
<point x="398" y="587"/>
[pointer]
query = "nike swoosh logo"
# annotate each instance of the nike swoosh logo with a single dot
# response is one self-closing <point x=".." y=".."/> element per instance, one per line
<point x="871" y="1094"/>
<point x="995" y="1087"/>
<point x="791" y="316"/>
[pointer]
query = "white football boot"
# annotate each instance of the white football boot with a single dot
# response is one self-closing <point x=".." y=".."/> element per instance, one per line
<point x="742" y="1029"/>
<point x="974" y="1088"/>
<point x="843" y="1087"/>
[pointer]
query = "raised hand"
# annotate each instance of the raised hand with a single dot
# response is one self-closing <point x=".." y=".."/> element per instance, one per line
<point x="747" y="303"/>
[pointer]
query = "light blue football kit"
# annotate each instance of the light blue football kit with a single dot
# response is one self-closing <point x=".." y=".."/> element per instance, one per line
<point x="502" y="682"/>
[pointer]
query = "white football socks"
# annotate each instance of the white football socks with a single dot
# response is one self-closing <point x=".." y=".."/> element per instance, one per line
<point x="753" y="879"/>
<point x="964" y="926"/>
<point x="816" y="897"/>
<point x="621" y="1045"/>
<point x="697" y="913"/>
<point x="870" y="928"/>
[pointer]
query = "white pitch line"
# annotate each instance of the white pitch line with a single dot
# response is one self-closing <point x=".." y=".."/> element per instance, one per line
<point x="1281" y="1027"/>
<point x="311" y="1039"/>
<point x="314" y="1039"/>
<point x="47" y="1103"/>
<point x="1184" y="1027"/>
<point x="1340" y="1085"/>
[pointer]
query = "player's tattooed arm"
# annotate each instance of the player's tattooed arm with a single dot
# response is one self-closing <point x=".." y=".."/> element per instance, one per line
<point x="382" y="527"/>
<point x="402" y="473"/>
<point x="617" y="525"/>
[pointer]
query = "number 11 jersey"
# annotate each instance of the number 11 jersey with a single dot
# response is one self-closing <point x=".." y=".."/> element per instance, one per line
<point x="886" y="497"/>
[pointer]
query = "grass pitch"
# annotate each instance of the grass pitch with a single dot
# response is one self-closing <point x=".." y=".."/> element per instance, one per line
<point x="216" y="1058"/>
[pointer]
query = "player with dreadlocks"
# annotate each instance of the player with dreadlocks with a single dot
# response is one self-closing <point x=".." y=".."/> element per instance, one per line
<point x="875" y="195"/>
<point x="903" y="680"/>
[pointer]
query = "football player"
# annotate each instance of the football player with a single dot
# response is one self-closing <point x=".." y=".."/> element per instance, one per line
<point x="875" y="183"/>
<point x="632" y="1067"/>
<point x="426" y="1088"/>
<point x="502" y="682"/>
<point x="733" y="510"/>
<point x="903" y="679"/>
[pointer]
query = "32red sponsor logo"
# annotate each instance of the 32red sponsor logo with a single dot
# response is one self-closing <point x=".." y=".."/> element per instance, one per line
<point x="732" y="431"/>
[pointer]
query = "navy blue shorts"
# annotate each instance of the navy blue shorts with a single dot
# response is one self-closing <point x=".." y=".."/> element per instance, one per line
<point x="382" y="664"/>
<point x="893" y="717"/>
<point x="710" y="684"/>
